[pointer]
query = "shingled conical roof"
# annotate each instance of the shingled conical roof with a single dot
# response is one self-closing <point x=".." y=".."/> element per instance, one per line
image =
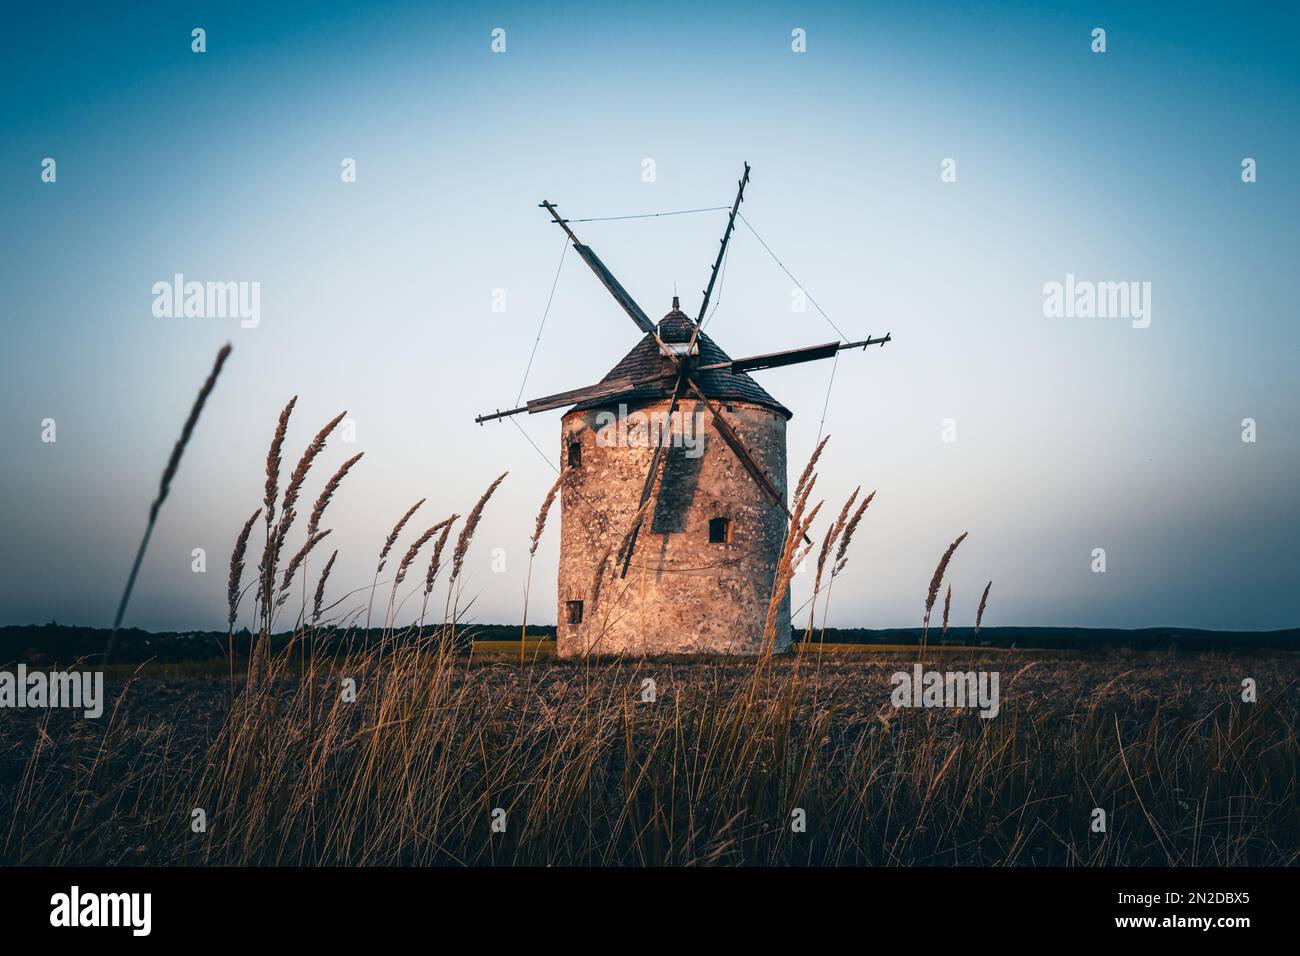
<point x="647" y="361"/>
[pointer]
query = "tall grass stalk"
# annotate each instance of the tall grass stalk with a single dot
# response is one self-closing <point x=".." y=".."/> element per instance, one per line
<point x="462" y="546"/>
<point x="979" y="614"/>
<point x="164" y="489"/>
<point x="936" y="581"/>
<point x="538" y="527"/>
<point x="383" y="555"/>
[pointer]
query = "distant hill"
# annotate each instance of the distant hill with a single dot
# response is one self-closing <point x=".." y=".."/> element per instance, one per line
<point x="41" y="644"/>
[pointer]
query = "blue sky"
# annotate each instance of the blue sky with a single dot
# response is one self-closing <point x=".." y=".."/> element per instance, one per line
<point x="1072" y="434"/>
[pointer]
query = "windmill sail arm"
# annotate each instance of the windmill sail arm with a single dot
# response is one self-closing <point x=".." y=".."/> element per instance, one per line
<point x="776" y="359"/>
<point x="730" y="436"/>
<point x="722" y="250"/>
<point x="602" y="273"/>
<point x="809" y="353"/>
<point x="653" y="473"/>
<point x="601" y="390"/>
<point x="621" y="295"/>
<point x="574" y="396"/>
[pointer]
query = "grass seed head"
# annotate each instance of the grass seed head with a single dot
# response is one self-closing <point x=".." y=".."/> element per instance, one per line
<point x="296" y="561"/>
<point x="320" y="587"/>
<point x="471" y="524"/>
<point x="436" y="561"/>
<point x="829" y="541"/>
<point x="541" y="514"/>
<point x="237" y="567"/>
<point x="273" y="456"/>
<point x="939" y="572"/>
<point x="842" y="555"/>
<point x="327" y="493"/>
<point x="299" y="476"/>
<point x="392" y="535"/>
<point x="984" y="602"/>
<point x="414" y="549"/>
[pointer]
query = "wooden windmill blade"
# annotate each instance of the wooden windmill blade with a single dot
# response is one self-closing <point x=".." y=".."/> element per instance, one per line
<point x="682" y="363"/>
<point x="620" y="294"/>
<point x="769" y="360"/>
<point x="653" y="472"/>
<point x="601" y="390"/>
<point x="608" y="390"/>
<point x="729" y="434"/>
<point x="732" y="438"/>
<point x="733" y="441"/>
<point x="722" y="250"/>
<point x="809" y="353"/>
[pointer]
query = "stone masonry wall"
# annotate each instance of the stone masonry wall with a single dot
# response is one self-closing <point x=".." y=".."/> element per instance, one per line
<point x="682" y="594"/>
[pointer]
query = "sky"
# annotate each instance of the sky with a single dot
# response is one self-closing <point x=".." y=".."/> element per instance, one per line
<point x="383" y="297"/>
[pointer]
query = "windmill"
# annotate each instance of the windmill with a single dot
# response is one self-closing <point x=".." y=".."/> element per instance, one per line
<point x="679" y="417"/>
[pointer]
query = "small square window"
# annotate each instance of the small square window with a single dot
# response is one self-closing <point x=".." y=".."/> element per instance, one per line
<point x="719" y="531"/>
<point x="573" y="612"/>
<point x="575" y="454"/>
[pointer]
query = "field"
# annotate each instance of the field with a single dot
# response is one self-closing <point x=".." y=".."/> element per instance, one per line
<point x="332" y="742"/>
<point x="444" y="760"/>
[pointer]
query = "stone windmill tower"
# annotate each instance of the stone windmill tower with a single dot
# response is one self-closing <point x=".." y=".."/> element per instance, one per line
<point x="673" y="510"/>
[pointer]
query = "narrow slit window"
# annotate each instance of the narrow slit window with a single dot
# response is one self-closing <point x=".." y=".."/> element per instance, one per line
<point x="575" y="454"/>
<point x="573" y="612"/>
<point x="719" y="531"/>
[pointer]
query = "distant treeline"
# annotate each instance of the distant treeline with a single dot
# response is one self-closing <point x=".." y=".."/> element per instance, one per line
<point x="1144" y="638"/>
<point x="59" y="643"/>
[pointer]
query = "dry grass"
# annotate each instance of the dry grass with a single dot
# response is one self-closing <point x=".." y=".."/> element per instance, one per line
<point x="709" y="773"/>
<point x="539" y="526"/>
<point x="979" y="613"/>
<point x="936" y="581"/>
<point x="319" y="599"/>
<point x="165" y="485"/>
<point x="234" y="589"/>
